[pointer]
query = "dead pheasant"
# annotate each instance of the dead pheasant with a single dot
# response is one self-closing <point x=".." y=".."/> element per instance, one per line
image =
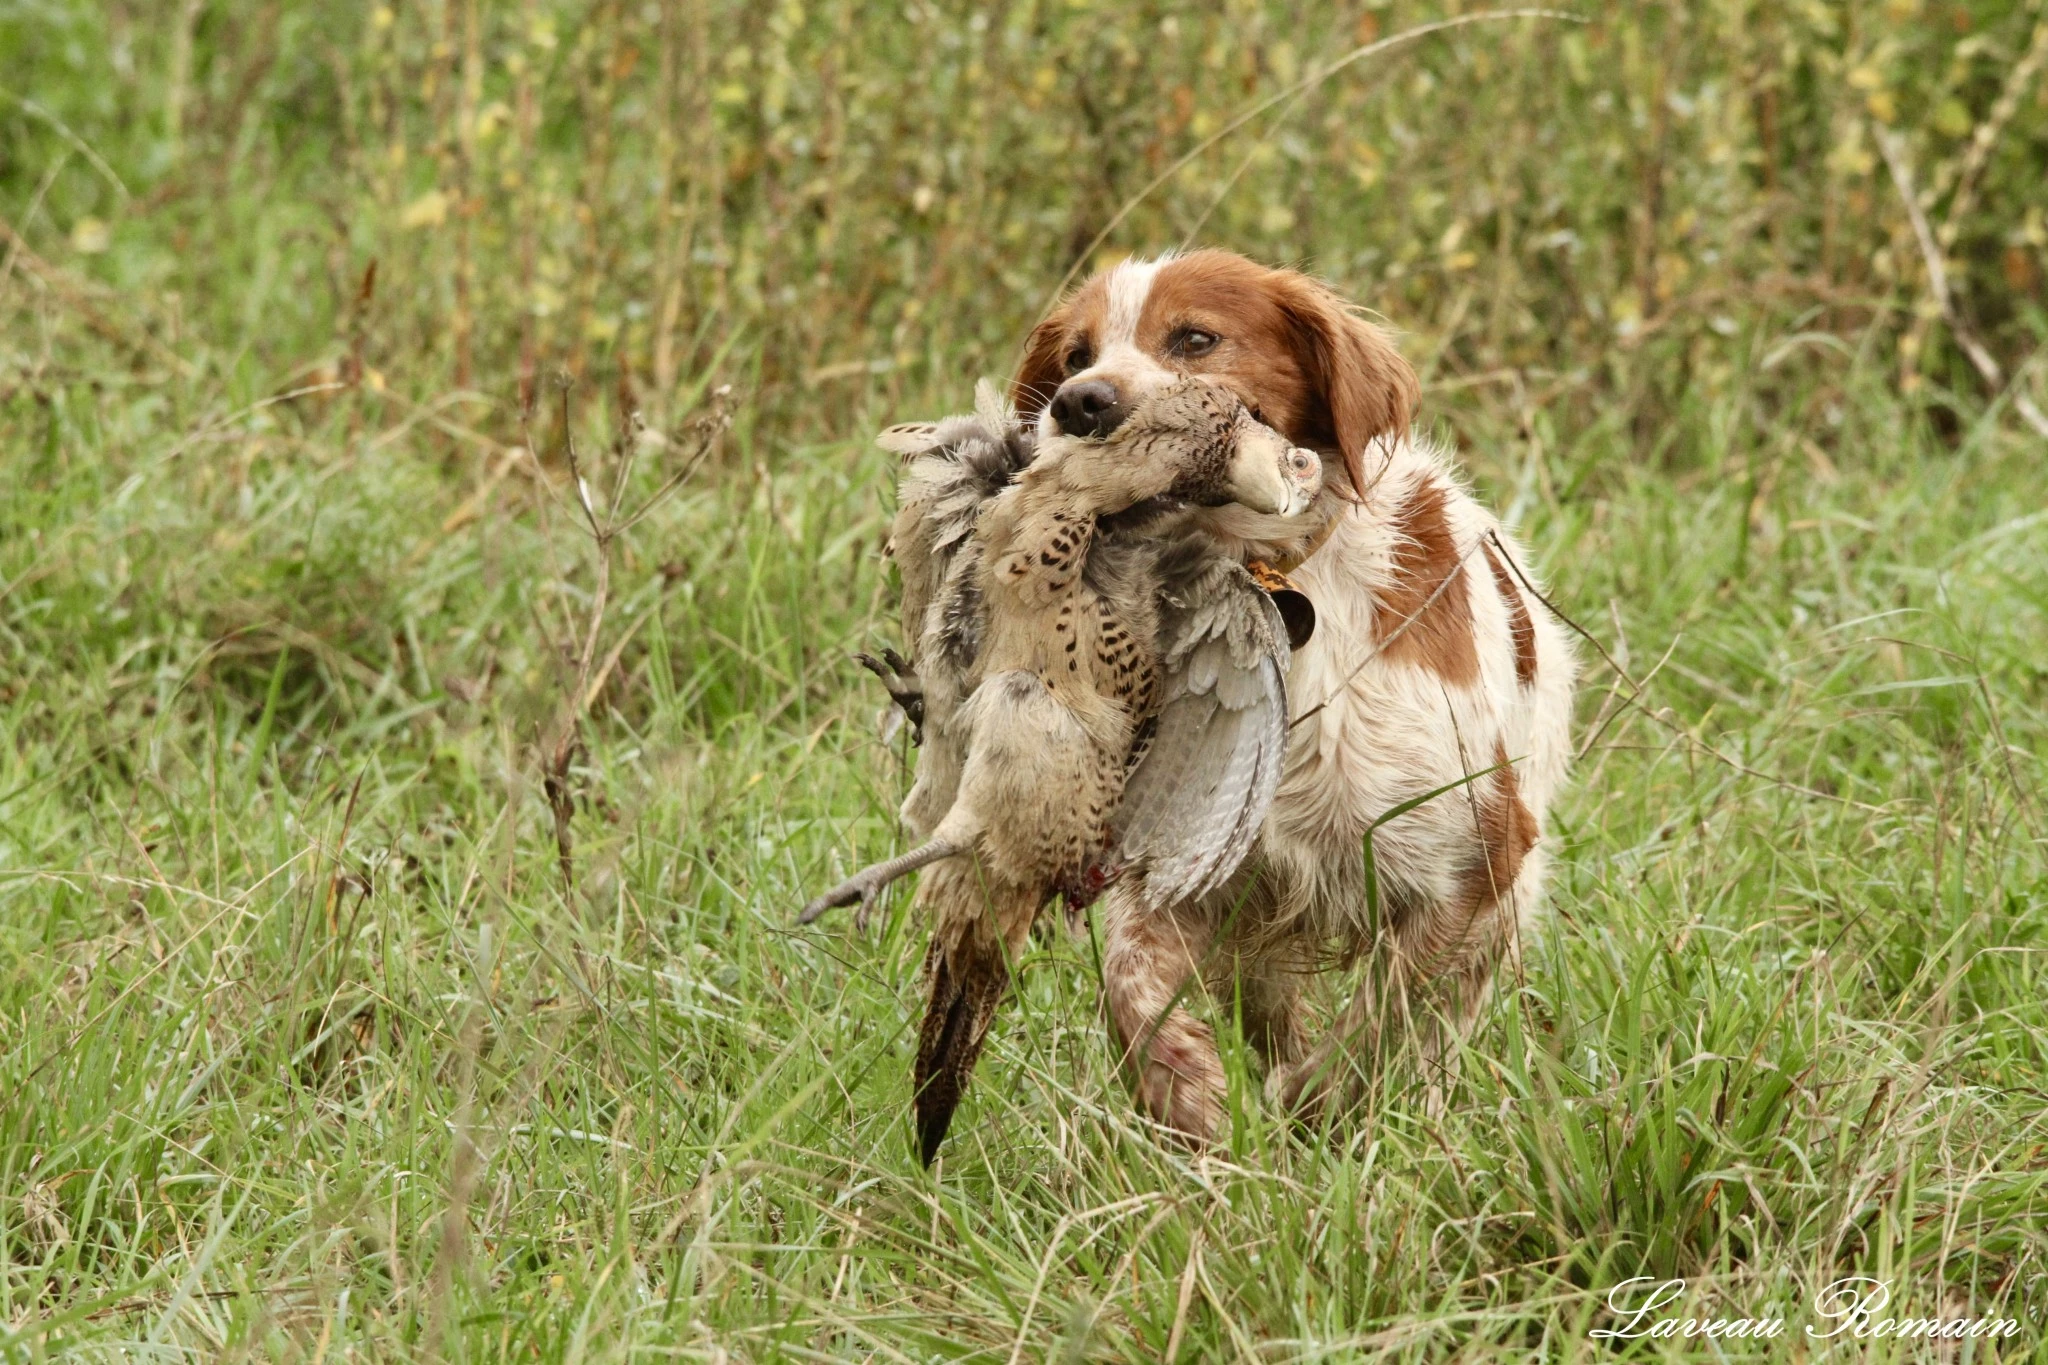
<point x="1101" y="691"/>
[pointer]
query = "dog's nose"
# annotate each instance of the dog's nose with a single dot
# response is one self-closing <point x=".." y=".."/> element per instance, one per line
<point x="1089" y="408"/>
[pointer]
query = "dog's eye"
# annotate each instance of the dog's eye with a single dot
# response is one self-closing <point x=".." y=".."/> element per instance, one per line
<point x="1079" y="359"/>
<point x="1190" y="342"/>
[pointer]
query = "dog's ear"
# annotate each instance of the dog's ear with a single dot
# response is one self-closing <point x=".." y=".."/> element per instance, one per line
<point x="1038" y="378"/>
<point x="1360" y="386"/>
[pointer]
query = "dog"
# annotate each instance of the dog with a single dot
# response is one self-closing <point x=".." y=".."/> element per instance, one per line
<point x="1434" y="676"/>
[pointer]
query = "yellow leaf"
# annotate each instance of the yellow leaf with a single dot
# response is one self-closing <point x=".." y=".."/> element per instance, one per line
<point x="490" y="117"/>
<point x="90" y="236"/>
<point x="1286" y="66"/>
<point x="428" y="211"/>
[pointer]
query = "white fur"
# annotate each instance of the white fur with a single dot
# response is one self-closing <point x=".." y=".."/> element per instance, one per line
<point x="1129" y="283"/>
<point x="1388" y="731"/>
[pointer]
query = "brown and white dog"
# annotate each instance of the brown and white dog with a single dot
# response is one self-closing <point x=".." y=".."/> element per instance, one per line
<point x="1431" y="661"/>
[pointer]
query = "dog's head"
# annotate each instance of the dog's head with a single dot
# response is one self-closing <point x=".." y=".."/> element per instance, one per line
<point x="1297" y="355"/>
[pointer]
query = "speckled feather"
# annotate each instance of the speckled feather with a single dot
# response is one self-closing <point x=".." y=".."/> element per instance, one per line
<point x="1140" y="618"/>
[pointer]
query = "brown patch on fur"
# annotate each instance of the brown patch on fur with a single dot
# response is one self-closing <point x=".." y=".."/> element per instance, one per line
<point x="1434" y="635"/>
<point x="1519" y="625"/>
<point x="1507" y="831"/>
<point x="1288" y="346"/>
<point x="1077" y="319"/>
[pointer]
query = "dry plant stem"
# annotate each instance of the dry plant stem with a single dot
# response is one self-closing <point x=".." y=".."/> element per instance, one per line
<point x="1635" y="699"/>
<point x="604" y="530"/>
<point x="1986" y="364"/>
<point x="469" y="97"/>
<point x="35" y="206"/>
<point x="72" y="140"/>
<point x="453" y="1255"/>
<point x="598" y="97"/>
<point x="526" y="120"/>
<point x="1986" y="135"/>
<point x="1237" y="121"/>
<point x="673" y="245"/>
<point x="181" y="74"/>
<point x="77" y="294"/>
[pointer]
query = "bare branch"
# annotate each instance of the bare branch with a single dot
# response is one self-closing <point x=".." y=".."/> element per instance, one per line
<point x="1894" y="148"/>
<point x="594" y="665"/>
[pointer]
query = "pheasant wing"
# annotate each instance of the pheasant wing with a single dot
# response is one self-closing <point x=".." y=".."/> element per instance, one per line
<point x="1200" y="791"/>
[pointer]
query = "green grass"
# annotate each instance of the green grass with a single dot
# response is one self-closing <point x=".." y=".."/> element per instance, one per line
<point x="308" y="1049"/>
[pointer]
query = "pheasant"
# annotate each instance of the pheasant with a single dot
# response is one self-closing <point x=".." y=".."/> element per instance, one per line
<point x="1101" y="691"/>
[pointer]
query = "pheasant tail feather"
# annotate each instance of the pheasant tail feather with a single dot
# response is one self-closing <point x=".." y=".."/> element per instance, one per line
<point x="966" y="986"/>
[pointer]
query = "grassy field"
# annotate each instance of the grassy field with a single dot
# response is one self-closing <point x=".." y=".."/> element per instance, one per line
<point x="396" y="878"/>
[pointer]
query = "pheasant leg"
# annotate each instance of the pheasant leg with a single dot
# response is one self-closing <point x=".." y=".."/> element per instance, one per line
<point x="867" y="885"/>
<point x="906" y="689"/>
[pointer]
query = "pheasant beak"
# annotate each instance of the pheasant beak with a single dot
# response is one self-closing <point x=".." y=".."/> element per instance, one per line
<point x="1268" y="475"/>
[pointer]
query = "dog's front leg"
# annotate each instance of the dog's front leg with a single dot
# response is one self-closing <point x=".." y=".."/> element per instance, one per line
<point x="1266" y="983"/>
<point x="1150" y="959"/>
<point x="1396" y="1009"/>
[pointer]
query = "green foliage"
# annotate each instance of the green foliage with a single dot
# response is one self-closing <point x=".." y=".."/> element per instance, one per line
<point x="310" y="1050"/>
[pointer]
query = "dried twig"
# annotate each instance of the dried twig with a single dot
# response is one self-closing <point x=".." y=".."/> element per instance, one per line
<point x="605" y="526"/>
<point x="1635" y="698"/>
<point x="1986" y="134"/>
<point x="1894" y="148"/>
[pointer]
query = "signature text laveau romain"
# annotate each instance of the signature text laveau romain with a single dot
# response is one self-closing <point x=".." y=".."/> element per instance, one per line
<point x="1848" y="1308"/>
